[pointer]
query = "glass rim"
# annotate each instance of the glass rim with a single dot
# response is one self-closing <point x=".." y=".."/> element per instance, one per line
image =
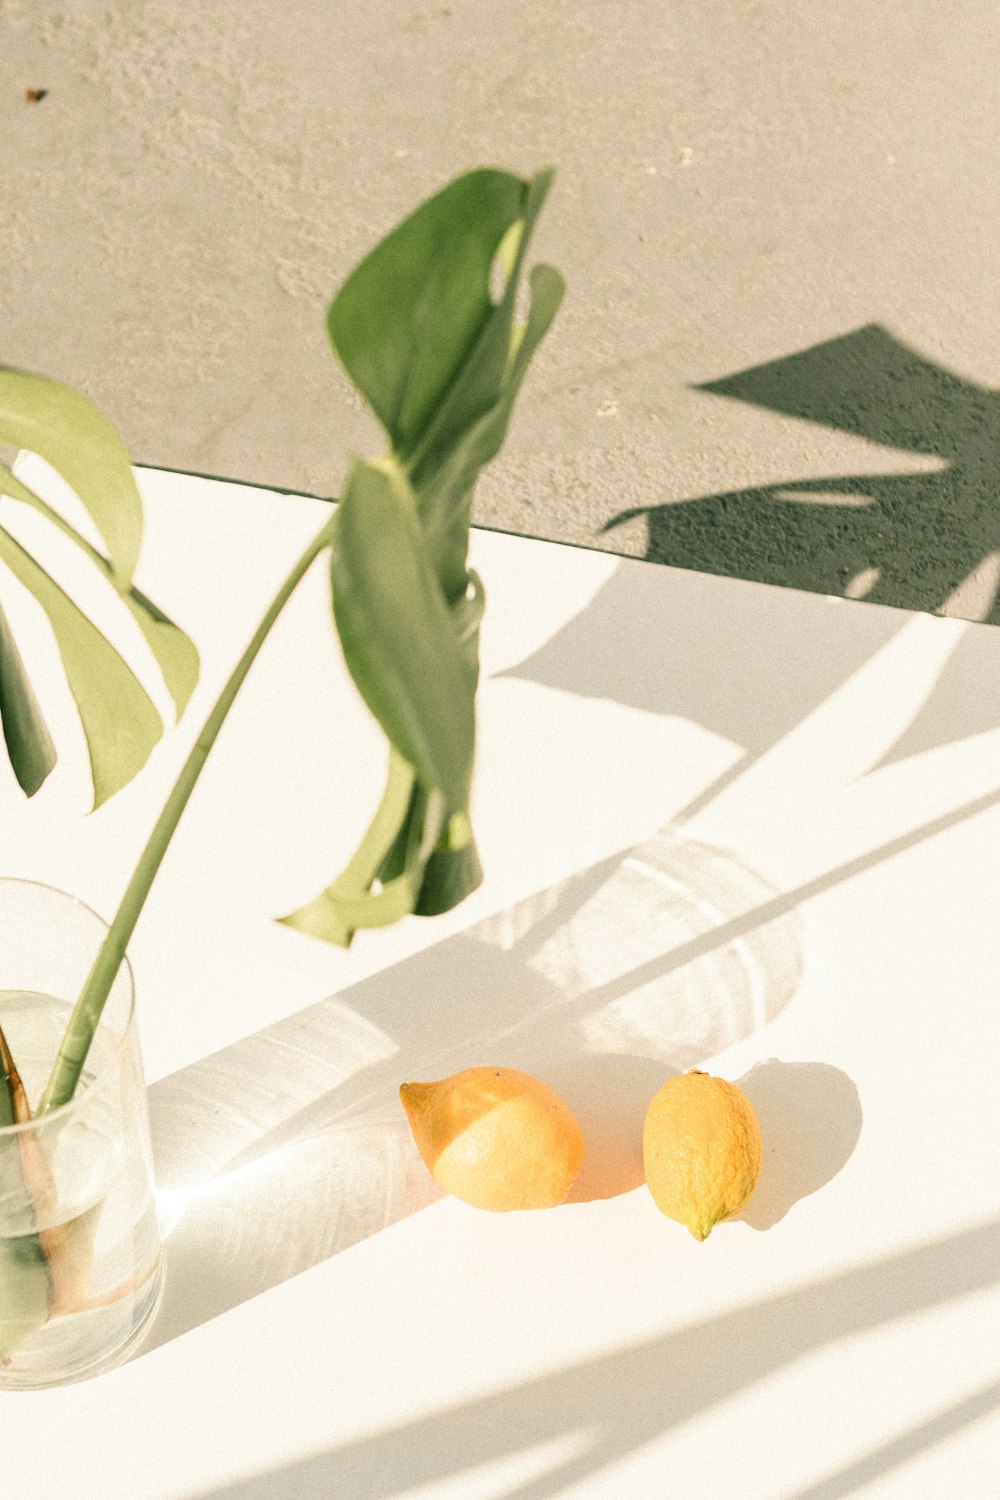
<point x="64" y="1110"/>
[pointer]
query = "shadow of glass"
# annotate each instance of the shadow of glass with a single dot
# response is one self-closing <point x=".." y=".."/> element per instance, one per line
<point x="611" y="1095"/>
<point x="291" y="1145"/>
<point x="923" y="534"/>
<point x="717" y="1358"/>
<point x="810" y="1119"/>
<point x="627" y="1018"/>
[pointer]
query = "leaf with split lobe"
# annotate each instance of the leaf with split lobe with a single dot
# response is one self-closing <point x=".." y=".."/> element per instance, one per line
<point x="397" y="635"/>
<point x="406" y="319"/>
<point x="484" y="374"/>
<point x="337" y="913"/>
<point x="330" y="915"/>
<point x="175" y="652"/>
<point x="119" y="720"/>
<point x="438" y="351"/>
<point x="444" y="487"/>
<point x="62" y="426"/>
<point x="29" y="744"/>
<point x="453" y="871"/>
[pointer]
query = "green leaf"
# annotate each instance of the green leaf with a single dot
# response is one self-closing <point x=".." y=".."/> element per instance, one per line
<point x="396" y="632"/>
<point x="337" y="913"/>
<point x="18" y="490"/>
<point x="175" y="652"/>
<point x="444" y="490"/>
<point x="480" y="379"/>
<point x="450" y="872"/>
<point x="407" y="836"/>
<point x="407" y="317"/>
<point x="440" y="358"/>
<point x="327" y="916"/>
<point x="335" y="919"/>
<point x="427" y="865"/>
<point x="29" y="744"/>
<point x="24" y="1290"/>
<point x="382" y="831"/>
<point x="453" y="871"/>
<point x="119" y="720"/>
<point x="66" y="429"/>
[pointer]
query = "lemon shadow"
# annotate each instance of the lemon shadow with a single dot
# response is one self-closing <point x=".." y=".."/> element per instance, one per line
<point x="810" y="1120"/>
<point x="611" y="1096"/>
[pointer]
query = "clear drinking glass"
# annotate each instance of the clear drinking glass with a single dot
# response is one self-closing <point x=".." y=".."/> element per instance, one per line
<point x="80" y="1253"/>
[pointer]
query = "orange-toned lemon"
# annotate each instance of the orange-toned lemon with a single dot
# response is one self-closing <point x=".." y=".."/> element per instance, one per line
<point x="701" y="1149"/>
<point x="496" y="1138"/>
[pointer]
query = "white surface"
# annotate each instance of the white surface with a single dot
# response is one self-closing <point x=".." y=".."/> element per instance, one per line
<point x="816" y="785"/>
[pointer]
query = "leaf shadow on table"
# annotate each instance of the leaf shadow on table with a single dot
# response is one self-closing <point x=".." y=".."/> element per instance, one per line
<point x="753" y="668"/>
<point x="291" y="1144"/>
<point x="748" y="667"/>
<point x="909" y="540"/>
<point x="607" y="1408"/>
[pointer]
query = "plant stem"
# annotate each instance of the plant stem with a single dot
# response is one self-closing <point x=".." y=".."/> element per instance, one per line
<point x="86" y="1013"/>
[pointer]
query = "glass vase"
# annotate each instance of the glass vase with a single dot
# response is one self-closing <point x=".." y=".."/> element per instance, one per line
<point x="80" y="1252"/>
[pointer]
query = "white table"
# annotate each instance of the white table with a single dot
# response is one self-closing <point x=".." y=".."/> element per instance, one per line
<point x="722" y="824"/>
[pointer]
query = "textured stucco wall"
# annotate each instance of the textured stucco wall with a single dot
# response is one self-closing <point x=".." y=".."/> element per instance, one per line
<point x="793" y="205"/>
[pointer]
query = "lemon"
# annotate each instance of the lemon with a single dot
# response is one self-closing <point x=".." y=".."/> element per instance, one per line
<point x="496" y="1138"/>
<point x="701" y="1149"/>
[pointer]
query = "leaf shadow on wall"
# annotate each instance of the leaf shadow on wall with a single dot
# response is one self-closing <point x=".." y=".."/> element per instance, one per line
<point x="810" y="1121"/>
<point x="910" y="540"/>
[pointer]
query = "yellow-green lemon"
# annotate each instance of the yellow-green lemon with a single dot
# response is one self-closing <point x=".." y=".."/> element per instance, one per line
<point x="701" y="1149"/>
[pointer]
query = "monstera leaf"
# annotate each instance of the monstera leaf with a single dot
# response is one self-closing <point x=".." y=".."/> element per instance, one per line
<point x="120" y="723"/>
<point x="427" y="329"/>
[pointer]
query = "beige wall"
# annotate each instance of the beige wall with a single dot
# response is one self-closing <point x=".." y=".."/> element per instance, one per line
<point x="807" y="188"/>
